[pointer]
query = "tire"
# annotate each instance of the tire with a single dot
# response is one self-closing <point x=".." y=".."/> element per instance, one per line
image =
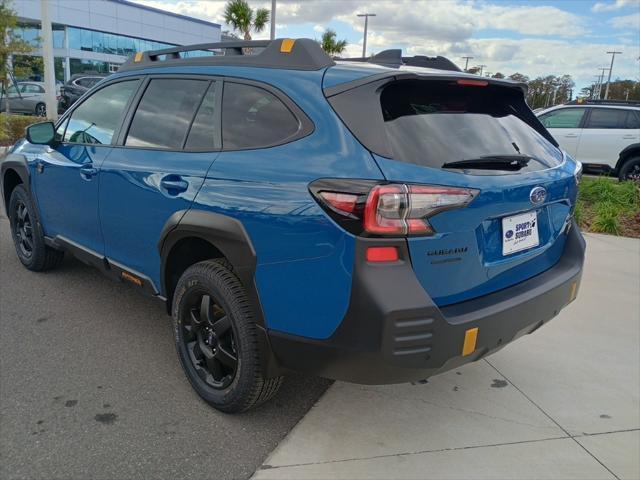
<point x="630" y="170"/>
<point x="27" y="234"/>
<point x="213" y="325"/>
<point x="41" y="110"/>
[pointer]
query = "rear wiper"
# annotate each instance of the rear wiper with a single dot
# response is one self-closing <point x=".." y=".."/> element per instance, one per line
<point x="492" y="162"/>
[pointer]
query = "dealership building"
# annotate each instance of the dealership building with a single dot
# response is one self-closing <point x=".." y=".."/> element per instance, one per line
<point x="99" y="35"/>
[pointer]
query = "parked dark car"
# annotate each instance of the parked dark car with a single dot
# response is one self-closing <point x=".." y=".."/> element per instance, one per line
<point x="75" y="88"/>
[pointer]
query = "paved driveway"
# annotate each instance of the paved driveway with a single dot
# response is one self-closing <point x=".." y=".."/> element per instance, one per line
<point x="561" y="403"/>
<point x="91" y="387"/>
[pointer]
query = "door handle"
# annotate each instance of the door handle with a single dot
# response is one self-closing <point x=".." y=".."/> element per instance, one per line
<point x="571" y="135"/>
<point x="39" y="166"/>
<point x="87" y="171"/>
<point x="174" y="185"/>
<point x="629" y="137"/>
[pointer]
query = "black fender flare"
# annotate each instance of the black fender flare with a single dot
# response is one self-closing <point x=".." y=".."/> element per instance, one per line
<point x="625" y="152"/>
<point x="17" y="163"/>
<point x="229" y="236"/>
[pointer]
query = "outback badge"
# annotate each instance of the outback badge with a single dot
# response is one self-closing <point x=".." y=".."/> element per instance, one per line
<point x="538" y="195"/>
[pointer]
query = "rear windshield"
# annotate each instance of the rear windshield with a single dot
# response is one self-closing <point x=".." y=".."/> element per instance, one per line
<point x="432" y="123"/>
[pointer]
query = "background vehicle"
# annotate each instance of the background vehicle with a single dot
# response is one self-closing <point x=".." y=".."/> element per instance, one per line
<point x="27" y="98"/>
<point x="76" y="87"/>
<point x="603" y="135"/>
<point x="375" y="224"/>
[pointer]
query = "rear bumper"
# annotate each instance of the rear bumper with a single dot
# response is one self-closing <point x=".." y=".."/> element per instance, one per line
<point x="394" y="333"/>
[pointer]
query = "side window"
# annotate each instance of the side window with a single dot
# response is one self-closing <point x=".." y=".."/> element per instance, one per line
<point x="165" y="113"/>
<point x="607" y="118"/>
<point x="633" y="120"/>
<point x="202" y="135"/>
<point x="98" y="117"/>
<point x="254" y="118"/>
<point x="563" y="118"/>
<point x="32" y="88"/>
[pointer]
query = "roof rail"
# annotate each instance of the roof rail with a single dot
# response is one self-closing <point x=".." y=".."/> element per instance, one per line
<point x="604" y="102"/>
<point x="393" y="58"/>
<point x="286" y="53"/>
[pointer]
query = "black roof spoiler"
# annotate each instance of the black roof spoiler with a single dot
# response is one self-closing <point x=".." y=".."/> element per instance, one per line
<point x="286" y="53"/>
<point x="393" y="58"/>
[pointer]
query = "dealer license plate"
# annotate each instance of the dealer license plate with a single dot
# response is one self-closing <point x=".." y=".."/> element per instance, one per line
<point x="519" y="232"/>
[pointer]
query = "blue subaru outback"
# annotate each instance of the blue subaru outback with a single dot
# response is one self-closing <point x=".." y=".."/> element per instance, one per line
<point x="373" y="221"/>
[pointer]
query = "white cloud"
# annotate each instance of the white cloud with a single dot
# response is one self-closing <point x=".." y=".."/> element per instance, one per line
<point x="558" y="41"/>
<point x="611" y="6"/>
<point x="627" y="21"/>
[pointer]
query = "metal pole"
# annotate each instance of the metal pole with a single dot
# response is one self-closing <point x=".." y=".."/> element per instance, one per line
<point x="466" y="63"/>
<point x="613" y="56"/>
<point x="366" y="28"/>
<point x="481" y="68"/>
<point x="273" y="19"/>
<point x="47" y="59"/>
<point x="602" y="70"/>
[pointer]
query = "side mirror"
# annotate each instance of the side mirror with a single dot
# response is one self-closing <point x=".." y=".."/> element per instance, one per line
<point x="41" y="133"/>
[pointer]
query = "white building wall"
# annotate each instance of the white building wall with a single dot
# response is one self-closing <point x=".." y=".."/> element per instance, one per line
<point x="122" y="18"/>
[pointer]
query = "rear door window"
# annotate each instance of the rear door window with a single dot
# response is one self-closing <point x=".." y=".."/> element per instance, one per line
<point x="165" y="112"/>
<point x="607" y="118"/>
<point x="433" y="123"/>
<point x="252" y="117"/>
<point x="204" y="129"/>
<point x="563" y="118"/>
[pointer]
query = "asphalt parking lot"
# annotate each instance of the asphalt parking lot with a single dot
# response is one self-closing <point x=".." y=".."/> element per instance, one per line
<point x="91" y="387"/>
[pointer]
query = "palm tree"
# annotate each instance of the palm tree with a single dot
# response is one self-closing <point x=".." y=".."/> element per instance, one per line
<point x="330" y="45"/>
<point x="239" y="15"/>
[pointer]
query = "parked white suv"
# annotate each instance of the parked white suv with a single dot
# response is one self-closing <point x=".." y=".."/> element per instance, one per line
<point x="604" y="136"/>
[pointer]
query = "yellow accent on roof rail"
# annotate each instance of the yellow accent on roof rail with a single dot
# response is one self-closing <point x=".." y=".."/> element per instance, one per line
<point x="137" y="57"/>
<point x="287" y="45"/>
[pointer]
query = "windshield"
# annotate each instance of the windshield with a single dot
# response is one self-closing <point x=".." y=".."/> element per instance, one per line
<point x="437" y="123"/>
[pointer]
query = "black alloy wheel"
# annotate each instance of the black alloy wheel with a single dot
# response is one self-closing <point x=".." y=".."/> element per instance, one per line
<point x="41" y="110"/>
<point x="209" y="338"/>
<point x="23" y="229"/>
<point x="27" y="233"/>
<point x="633" y="173"/>
<point x="217" y="339"/>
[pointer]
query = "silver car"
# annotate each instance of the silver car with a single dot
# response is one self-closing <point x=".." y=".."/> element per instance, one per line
<point x="28" y="98"/>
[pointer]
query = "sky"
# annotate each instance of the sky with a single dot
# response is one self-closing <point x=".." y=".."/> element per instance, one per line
<point x="533" y="37"/>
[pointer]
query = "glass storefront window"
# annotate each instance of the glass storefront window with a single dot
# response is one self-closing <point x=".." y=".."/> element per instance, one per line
<point x="90" y="40"/>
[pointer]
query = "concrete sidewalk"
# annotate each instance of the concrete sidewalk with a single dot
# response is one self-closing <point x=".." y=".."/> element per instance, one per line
<point x="561" y="403"/>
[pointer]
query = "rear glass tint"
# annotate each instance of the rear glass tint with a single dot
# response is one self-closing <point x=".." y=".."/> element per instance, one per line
<point x="433" y="123"/>
<point x="607" y="118"/>
<point x="253" y="118"/>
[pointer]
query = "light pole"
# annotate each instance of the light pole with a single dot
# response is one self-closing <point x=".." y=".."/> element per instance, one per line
<point x="47" y="60"/>
<point x="466" y="63"/>
<point x="613" y="56"/>
<point x="366" y="26"/>
<point x="602" y="70"/>
<point x="273" y="19"/>
<point x="481" y="68"/>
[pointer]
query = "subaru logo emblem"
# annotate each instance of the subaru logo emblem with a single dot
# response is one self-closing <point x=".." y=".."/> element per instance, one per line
<point x="538" y="195"/>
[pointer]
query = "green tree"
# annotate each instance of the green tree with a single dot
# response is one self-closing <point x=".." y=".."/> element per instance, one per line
<point x="241" y="17"/>
<point x="330" y="45"/>
<point x="10" y="44"/>
<point x="518" y="77"/>
<point x="497" y="75"/>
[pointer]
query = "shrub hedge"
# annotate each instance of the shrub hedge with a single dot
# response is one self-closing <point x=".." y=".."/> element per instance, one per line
<point x="12" y="127"/>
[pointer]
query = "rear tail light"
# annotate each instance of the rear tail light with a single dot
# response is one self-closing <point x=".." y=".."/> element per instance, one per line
<point x="367" y="208"/>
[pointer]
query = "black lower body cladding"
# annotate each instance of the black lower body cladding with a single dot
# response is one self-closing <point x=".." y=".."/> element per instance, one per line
<point x="394" y="333"/>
